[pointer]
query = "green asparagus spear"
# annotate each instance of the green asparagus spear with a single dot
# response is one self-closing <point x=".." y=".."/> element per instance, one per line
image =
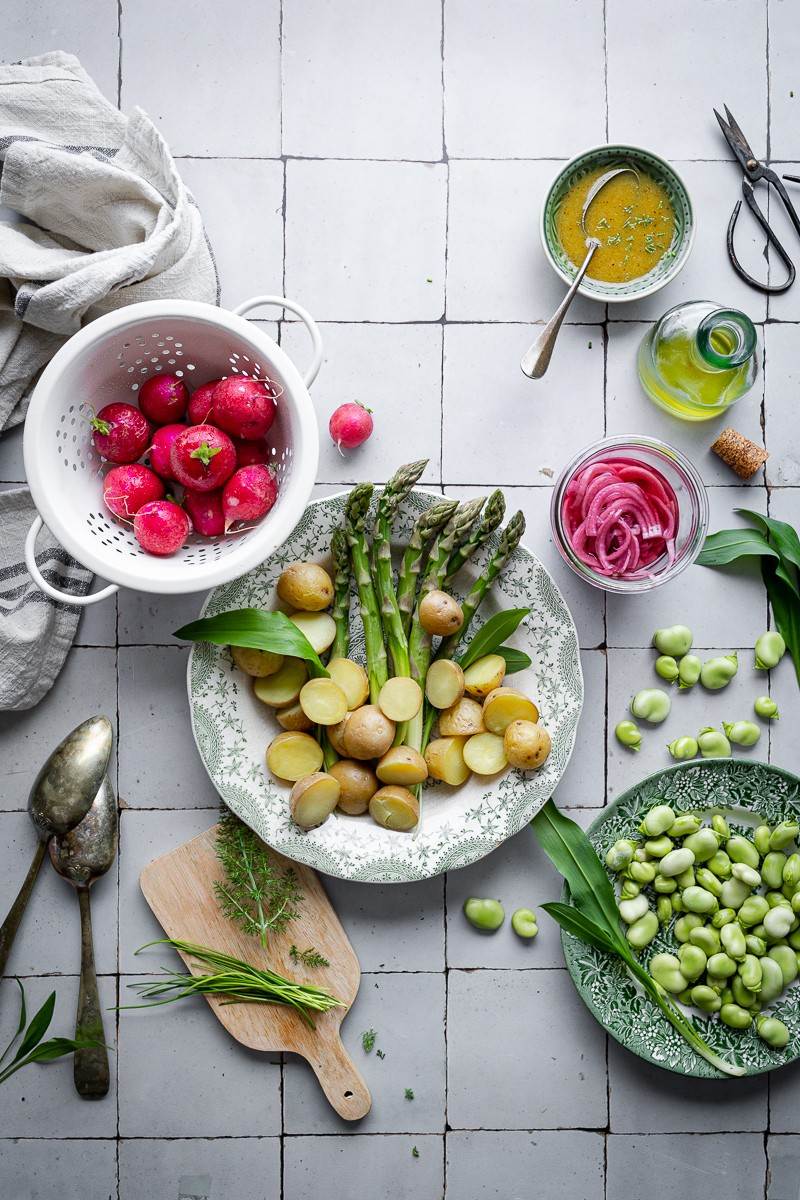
<point x="358" y="503"/>
<point x="428" y="523"/>
<point x="392" y="497"/>
<point x="492" y="518"/>
<point x="341" y="594"/>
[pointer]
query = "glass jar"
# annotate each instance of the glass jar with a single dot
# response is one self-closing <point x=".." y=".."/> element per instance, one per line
<point x="698" y="360"/>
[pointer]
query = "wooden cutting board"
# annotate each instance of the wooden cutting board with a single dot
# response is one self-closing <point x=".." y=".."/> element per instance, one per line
<point x="179" y="887"/>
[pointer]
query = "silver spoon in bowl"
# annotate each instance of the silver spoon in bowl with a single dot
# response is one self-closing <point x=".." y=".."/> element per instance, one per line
<point x="82" y="856"/>
<point x="61" y="796"/>
<point x="536" y="360"/>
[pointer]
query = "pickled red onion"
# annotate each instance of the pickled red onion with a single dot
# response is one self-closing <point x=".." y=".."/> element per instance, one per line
<point x="620" y="516"/>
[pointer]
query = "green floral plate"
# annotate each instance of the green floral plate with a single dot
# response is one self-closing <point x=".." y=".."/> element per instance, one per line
<point x="458" y="826"/>
<point x="748" y="793"/>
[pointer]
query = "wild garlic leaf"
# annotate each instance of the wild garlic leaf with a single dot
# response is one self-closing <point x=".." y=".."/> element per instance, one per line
<point x="256" y="629"/>
<point x="491" y="636"/>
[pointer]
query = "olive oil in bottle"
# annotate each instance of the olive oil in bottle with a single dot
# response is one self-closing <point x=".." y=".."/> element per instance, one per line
<point x="698" y="360"/>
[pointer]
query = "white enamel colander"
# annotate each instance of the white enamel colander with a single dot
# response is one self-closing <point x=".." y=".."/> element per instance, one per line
<point x="109" y="360"/>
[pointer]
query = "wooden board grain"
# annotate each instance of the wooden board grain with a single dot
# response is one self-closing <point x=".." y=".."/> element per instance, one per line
<point x="179" y="887"/>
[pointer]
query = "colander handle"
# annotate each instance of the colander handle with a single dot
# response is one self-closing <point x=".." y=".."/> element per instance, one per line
<point x="47" y="588"/>
<point x="305" y="317"/>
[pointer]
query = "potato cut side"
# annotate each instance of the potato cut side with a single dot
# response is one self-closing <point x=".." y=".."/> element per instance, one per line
<point x="293" y="755"/>
<point x="400" y="699"/>
<point x="445" y="759"/>
<point x="463" y="719"/>
<point x="352" y="679"/>
<point x="484" y="676"/>
<point x="394" y="808"/>
<point x="282" y="688"/>
<point x="293" y="718"/>
<point x="359" y="784"/>
<point x="402" y="765"/>
<point x="504" y="705"/>
<point x="368" y="733"/>
<point x="527" y="745"/>
<point x="313" y="799"/>
<point x="307" y="586"/>
<point x="258" y="663"/>
<point x="319" y="628"/>
<point x="484" y="754"/>
<point x="439" y="614"/>
<point x="336" y="736"/>
<point x="323" y="702"/>
<point x="444" y="683"/>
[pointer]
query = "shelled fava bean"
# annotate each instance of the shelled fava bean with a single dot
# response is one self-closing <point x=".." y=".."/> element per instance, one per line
<point x="736" y="904"/>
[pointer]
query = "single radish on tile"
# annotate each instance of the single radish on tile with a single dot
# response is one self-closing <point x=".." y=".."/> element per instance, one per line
<point x="205" y="511"/>
<point x="350" y="425"/>
<point x="249" y="494"/>
<point x="161" y="527"/>
<point x="126" y="488"/>
<point x="202" y="458"/>
<point x="248" y="454"/>
<point x="200" y="411"/>
<point x="244" y="407"/>
<point x="120" y="432"/>
<point x="163" y="398"/>
<point x="161" y="449"/>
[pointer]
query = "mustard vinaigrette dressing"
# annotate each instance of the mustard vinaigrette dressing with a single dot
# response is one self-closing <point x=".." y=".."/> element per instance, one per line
<point x="632" y="217"/>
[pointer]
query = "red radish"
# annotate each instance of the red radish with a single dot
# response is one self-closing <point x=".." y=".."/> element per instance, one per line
<point x="350" y="425"/>
<point x="202" y="458"/>
<point x="121" y="433"/>
<point x="161" y="527"/>
<point x="249" y="494"/>
<point x="244" y="407"/>
<point x="127" y="488"/>
<point x="205" y="510"/>
<point x="250" y="453"/>
<point x="163" y="398"/>
<point x="161" y="449"/>
<point x="200" y="407"/>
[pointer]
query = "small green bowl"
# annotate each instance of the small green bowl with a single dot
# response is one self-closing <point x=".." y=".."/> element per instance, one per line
<point x="666" y="268"/>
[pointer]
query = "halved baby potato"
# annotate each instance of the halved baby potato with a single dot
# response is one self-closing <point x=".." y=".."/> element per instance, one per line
<point x="313" y="799"/>
<point x="258" y="663"/>
<point x="282" y="688"/>
<point x="319" y="628"/>
<point x="445" y="759"/>
<point x="484" y="754"/>
<point x="527" y="745"/>
<point x="394" y="808"/>
<point x="368" y="733"/>
<point x="293" y="755"/>
<point x="463" y="719"/>
<point x="400" y="698"/>
<point x="336" y="736"/>
<point x="306" y="585"/>
<point x="444" y="683"/>
<point x="403" y="765"/>
<point x="504" y="705"/>
<point x="323" y="702"/>
<point x="484" y="675"/>
<point x="293" y="718"/>
<point x="351" y="678"/>
<point x="358" y="783"/>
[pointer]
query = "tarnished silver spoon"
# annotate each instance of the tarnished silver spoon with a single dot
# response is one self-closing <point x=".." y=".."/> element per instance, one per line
<point x="82" y="856"/>
<point x="60" y="798"/>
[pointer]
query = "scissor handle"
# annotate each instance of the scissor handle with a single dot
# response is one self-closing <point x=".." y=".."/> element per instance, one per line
<point x="752" y="204"/>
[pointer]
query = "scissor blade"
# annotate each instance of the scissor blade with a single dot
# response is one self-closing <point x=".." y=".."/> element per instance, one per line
<point x="736" y="140"/>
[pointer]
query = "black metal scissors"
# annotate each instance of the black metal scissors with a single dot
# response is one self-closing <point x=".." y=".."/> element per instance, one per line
<point x="753" y="172"/>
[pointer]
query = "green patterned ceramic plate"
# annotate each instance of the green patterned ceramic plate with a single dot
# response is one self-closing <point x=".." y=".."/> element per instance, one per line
<point x="458" y="826"/>
<point x="749" y="793"/>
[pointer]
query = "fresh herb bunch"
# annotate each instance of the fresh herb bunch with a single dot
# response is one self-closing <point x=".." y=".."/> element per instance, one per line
<point x="31" y="1048"/>
<point x="309" y="957"/>
<point x="255" y="895"/>
<point x="368" y="1040"/>
<point x="592" y="916"/>
<point x="776" y="545"/>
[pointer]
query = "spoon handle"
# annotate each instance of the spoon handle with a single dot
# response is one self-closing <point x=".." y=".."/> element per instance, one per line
<point x="90" y="1064"/>
<point x="536" y="360"/>
<point x="8" y="930"/>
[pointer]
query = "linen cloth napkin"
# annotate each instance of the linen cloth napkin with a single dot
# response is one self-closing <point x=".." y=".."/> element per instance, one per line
<point x="101" y="218"/>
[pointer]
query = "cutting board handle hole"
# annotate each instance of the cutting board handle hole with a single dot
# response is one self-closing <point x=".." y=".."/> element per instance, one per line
<point x="347" y="1095"/>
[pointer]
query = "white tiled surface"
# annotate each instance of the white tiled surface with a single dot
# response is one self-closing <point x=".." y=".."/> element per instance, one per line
<point x="385" y="164"/>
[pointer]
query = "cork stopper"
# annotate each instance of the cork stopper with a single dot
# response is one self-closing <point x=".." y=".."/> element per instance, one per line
<point x="741" y="455"/>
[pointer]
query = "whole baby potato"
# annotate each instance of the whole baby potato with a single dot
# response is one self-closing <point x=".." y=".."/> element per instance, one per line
<point x="368" y="733"/>
<point x="307" y="586"/>
<point x="440" y="614"/>
<point x="527" y="744"/>
<point x="336" y="736"/>
<point x="358" y="784"/>
<point x="463" y="719"/>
